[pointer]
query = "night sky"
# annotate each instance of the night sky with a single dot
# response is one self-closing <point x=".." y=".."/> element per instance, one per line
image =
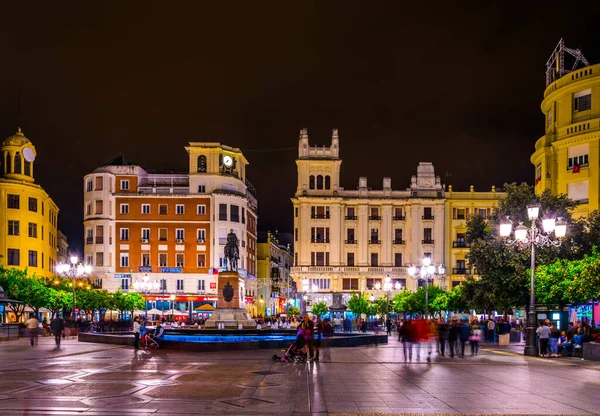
<point x="459" y="88"/>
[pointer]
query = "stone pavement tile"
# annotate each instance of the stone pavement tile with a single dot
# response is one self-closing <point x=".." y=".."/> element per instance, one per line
<point x="37" y="375"/>
<point x="82" y="390"/>
<point x="202" y="377"/>
<point x="124" y="376"/>
<point x="191" y="391"/>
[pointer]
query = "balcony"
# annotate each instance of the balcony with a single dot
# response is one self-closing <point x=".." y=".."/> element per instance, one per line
<point x="350" y="241"/>
<point x="374" y="241"/>
<point x="351" y="217"/>
<point x="89" y="240"/>
<point x="99" y="240"/>
<point x="427" y="241"/>
<point x="460" y="244"/>
<point x="320" y="216"/>
<point x="374" y="217"/>
<point x="319" y="240"/>
<point x="398" y="241"/>
<point x="399" y="217"/>
<point x="350" y="269"/>
<point x="427" y="217"/>
<point x="461" y="270"/>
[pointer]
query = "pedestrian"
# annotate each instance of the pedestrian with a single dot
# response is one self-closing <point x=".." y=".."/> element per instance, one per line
<point x="32" y="329"/>
<point x="406" y="333"/>
<point x="388" y="326"/>
<point x="308" y="327"/>
<point x="464" y="334"/>
<point x="453" y="335"/>
<point x="57" y="325"/>
<point x="553" y="341"/>
<point x="319" y="329"/>
<point x="491" y="330"/>
<point x="136" y="333"/>
<point x="475" y="338"/>
<point x="443" y="332"/>
<point x="543" y="333"/>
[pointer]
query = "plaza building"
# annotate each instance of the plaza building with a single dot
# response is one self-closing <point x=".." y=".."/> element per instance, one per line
<point x="349" y="241"/>
<point x="276" y="288"/>
<point x="567" y="157"/>
<point x="28" y="223"/>
<point x="170" y="227"/>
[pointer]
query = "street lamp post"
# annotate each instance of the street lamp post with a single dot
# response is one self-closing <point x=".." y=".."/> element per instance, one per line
<point x="74" y="271"/>
<point x="388" y="287"/>
<point x="532" y="236"/>
<point x="427" y="272"/>
<point x="146" y="286"/>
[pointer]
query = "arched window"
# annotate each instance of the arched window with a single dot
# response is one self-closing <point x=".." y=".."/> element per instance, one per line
<point x="18" y="163"/>
<point x="7" y="168"/>
<point x="27" y="168"/>
<point x="320" y="182"/>
<point x="327" y="182"/>
<point x="311" y="182"/>
<point x="201" y="163"/>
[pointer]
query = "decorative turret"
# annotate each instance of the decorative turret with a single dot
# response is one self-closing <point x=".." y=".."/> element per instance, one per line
<point x="18" y="155"/>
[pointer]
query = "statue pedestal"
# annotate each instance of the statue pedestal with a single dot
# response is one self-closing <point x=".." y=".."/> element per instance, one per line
<point x="230" y="303"/>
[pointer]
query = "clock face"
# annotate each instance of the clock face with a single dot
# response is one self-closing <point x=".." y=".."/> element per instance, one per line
<point x="28" y="154"/>
<point x="227" y="161"/>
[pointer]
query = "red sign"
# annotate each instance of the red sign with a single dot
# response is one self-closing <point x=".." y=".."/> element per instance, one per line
<point x="213" y="285"/>
<point x="183" y="298"/>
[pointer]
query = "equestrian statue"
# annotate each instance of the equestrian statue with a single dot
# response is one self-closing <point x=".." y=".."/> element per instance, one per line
<point x="232" y="252"/>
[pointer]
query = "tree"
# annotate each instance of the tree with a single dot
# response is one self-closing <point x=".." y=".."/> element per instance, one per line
<point x="359" y="305"/>
<point x="319" y="309"/>
<point x="13" y="282"/>
<point x="402" y="301"/>
<point x="293" y="311"/>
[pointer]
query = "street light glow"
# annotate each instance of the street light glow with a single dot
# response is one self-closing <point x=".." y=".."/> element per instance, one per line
<point x="533" y="211"/>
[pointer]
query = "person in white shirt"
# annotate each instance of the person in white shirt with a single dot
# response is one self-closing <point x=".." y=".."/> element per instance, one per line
<point x="543" y="333"/>
<point x="136" y="333"/>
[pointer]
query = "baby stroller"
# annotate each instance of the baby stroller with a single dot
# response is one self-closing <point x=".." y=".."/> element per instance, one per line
<point x="149" y="342"/>
<point x="295" y="352"/>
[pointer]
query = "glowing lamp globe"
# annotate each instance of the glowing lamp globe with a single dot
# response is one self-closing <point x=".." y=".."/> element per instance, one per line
<point x="505" y="229"/>
<point x="427" y="261"/>
<point x="412" y="270"/>
<point x="560" y="230"/>
<point x="521" y="233"/>
<point x="549" y="224"/>
<point x="533" y="211"/>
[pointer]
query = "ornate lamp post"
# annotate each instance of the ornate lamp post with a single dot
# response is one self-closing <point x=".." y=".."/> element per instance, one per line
<point x="427" y="272"/>
<point x="74" y="271"/>
<point x="388" y="287"/>
<point x="307" y="288"/>
<point x="145" y="286"/>
<point x="532" y="236"/>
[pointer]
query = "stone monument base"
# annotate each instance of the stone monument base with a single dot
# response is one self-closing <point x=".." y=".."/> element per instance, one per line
<point x="232" y="318"/>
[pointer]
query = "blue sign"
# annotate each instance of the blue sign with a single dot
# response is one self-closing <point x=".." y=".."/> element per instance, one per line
<point x="146" y="269"/>
<point x="122" y="275"/>
<point x="171" y="270"/>
<point x="1" y="308"/>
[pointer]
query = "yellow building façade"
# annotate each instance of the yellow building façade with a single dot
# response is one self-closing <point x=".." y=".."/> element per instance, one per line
<point x="28" y="216"/>
<point x="566" y="158"/>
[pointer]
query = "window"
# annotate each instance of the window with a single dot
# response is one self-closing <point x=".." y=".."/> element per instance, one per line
<point x="13" y="227"/>
<point x="243" y="215"/>
<point x="311" y="182"/>
<point x="99" y="259"/>
<point x="578" y="191"/>
<point x="222" y="212"/>
<point x="88" y="209"/>
<point x="124" y="234"/>
<point x="99" y="234"/>
<point x="296" y="212"/>
<point x="427" y="235"/>
<point x="201" y="257"/>
<point x="179" y="235"/>
<point x="202" y="163"/>
<point x="582" y="101"/>
<point x="295" y="234"/>
<point x="372" y="284"/>
<point x="124" y="284"/>
<point x="162" y="209"/>
<point x="180" y="284"/>
<point x="350" y="235"/>
<point x="32" y="230"/>
<point x="319" y="258"/>
<point x="201" y="284"/>
<point x="162" y="259"/>
<point x="124" y="209"/>
<point x="397" y="259"/>
<point x="99" y="207"/>
<point x="483" y="212"/>
<point x="374" y="214"/>
<point x="163" y="284"/>
<point x="33" y="204"/>
<point x="201" y="235"/>
<point x="427" y="213"/>
<point x="201" y="209"/>
<point x="327" y="182"/>
<point x="124" y="260"/>
<point x="145" y="208"/>
<point x="13" y="257"/>
<point x="162" y="234"/>
<point x="398" y="236"/>
<point x="350" y="259"/>
<point x="201" y="189"/>
<point x="549" y="117"/>
<point x="374" y="235"/>
<point x="350" y="213"/>
<point x="350" y="284"/>
<point x="99" y="183"/>
<point x="124" y="185"/>
<point x="89" y="186"/>
<point x="234" y="213"/>
<point x="319" y="212"/>
<point x="319" y="182"/>
<point x="17" y="163"/>
<point x="319" y="234"/>
<point x="145" y="234"/>
<point x="89" y="236"/>
<point x="32" y="258"/>
<point x="13" y="201"/>
<point x="321" y="283"/>
<point x="374" y="259"/>
<point x="145" y="259"/>
<point x="179" y="209"/>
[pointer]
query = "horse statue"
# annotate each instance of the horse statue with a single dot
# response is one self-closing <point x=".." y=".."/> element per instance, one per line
<point x="232" y="252"/>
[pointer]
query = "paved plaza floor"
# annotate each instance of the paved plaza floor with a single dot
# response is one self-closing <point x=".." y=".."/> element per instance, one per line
<point x="95" y="379"/>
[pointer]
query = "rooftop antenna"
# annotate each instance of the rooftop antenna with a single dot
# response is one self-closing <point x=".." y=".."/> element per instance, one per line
<point x="555" y="66"/>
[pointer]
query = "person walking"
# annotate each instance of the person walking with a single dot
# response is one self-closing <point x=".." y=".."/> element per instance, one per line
<point x="464" y="334"/>
<point x="136" y="333"/>
<point x="319" y="329"/>
<point x="443" y="332"/>
<point x="57" y="325"/>
<point x="491" y="330"/>
<point x="544" y="333"/>
<point x="407" y="335"/>
<point x="309" y="327"/>
<point x="388" y="326"/>
<point x="553" y="341"/>
<point x="454" y="333"/>
<point x="32" y="329"/>
<point x="475" y="338"/>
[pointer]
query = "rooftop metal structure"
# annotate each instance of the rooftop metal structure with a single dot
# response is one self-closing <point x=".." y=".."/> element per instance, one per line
<point x="555" y="66"/>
